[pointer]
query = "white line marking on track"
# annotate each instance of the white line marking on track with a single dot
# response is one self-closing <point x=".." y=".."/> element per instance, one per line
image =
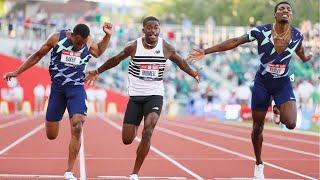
<point x="29" y="176"/>
<point x="226" y="126"/>
<point x="213" y="132"/>
<point x="159" y="152"/>
<point x="35" y="130"/>
<point x="141" y="177"/>
<point x="243" y="178"/>
<point x="18" y="121"/>
<point x="167" y="131"/>
<point x="82" y="160"/>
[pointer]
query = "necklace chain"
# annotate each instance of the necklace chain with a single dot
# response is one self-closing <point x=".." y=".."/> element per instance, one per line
<point x="282" y="35"/>
<point x="150" y="45"/>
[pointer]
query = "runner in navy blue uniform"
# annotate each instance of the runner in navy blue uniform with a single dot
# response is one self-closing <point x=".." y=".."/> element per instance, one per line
<point x="70" y="54"/>
<point x="145" y="87"/>
<point x="276" y="44"/>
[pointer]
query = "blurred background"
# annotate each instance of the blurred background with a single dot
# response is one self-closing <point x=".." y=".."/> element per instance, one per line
<point x="227" y="78"/>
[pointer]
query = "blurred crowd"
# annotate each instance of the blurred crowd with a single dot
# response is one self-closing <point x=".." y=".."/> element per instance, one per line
<point x="226" y="78"/>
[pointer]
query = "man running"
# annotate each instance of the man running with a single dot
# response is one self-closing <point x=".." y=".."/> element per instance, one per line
<point x="148" y="59"/>
<point x="276" y="44"/>
<point x="70" y="54"/>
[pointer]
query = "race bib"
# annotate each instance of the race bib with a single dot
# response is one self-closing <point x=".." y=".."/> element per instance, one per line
<point x="277" y="69"/>
<point x="149" y="70"/>
<point x="71" y="58"/>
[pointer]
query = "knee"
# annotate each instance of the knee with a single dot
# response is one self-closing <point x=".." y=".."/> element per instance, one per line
<point x="77" y="129"/>
<point x="257" y="130"/>
<point x="290" y="122"/>
<point x="51" y="136"/>
<point x="127" y="141"/>
<point x="291" y="125"/>
<point x="147" y="133"/>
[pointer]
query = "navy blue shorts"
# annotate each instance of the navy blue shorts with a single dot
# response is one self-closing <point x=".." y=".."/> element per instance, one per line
<point x="61" y="97"/>
<point x="264" y="90"/>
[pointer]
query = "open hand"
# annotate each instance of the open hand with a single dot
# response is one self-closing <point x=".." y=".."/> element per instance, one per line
<point x="196" y="55"/>
<point x="91" y="77"/>
<point x="308" y="58"/>
<point x="10" y="75"/>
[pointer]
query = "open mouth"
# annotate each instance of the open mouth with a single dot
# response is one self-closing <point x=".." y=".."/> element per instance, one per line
<point x="285" y="16"/>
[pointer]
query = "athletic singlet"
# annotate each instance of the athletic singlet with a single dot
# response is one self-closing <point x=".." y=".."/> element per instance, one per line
<point x="67" y="66"/>
<point x="146" y="70"/>
<point x="273" y="65"/>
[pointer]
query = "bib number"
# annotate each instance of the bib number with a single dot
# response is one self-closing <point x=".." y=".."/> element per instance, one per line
<point x="277" y="69"/>
<point x="149" y="70"/>
<point x="71" y="58"/>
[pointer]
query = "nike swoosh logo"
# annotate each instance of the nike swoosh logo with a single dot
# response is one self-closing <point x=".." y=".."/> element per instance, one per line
<point x="155" y="108"/>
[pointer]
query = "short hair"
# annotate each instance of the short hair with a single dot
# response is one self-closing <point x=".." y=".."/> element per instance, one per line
<point x="149" y="18"/>
<point x="282" y="2"/>
<point x="81" y="30"/>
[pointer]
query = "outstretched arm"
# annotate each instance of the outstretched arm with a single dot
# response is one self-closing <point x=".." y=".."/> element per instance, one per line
<point x="97" y="49"/>
<point x="34" y="58"/>
<point x="170" y="53"/>
<point x="302" y="55"/>
<point x="110" y="63"/>
<point x="224" y="46"/>
<point x="228" y="44"/>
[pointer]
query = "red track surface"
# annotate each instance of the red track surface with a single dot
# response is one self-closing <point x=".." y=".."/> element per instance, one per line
<point x="190" y="149"/>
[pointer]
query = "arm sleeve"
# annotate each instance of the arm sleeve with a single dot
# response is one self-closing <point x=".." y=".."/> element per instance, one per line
<point x="253" y="34"/>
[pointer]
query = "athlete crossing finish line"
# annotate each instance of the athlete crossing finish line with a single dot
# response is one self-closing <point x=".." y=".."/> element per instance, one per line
<point x="70" y="54"/>
<point x="276" y="44"/>
<point x="148" y="60"/>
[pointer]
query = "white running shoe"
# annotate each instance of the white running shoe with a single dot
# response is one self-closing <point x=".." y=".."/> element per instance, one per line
<point x="258" y="172"/>
<point x="134" y="177"/>
<point x="69" y="176"/>
<point x="276" y="115"/>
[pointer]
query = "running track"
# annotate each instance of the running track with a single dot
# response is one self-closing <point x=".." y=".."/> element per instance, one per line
<point x="181" y="149"/>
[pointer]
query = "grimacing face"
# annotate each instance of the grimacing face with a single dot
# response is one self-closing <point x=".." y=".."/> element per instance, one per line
<point x="283" y="13"/>
<point x="78" y="41"/>
<point x="151" y="31"/>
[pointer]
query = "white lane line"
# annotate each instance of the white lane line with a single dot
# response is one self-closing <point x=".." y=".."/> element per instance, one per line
<point x="213" y="132"/>
<point x="18" y="121"/>
<point x="190" y="172"/>
<point x="82" y="160"/>
<point x="244" y="178"/>
<point x="18" y="141"/>
<point x="28" y="176"/>
<point x="226" y="126"/>
<point x="142" y="177"/>
<point x="167" y="131"/>
<point x="160" y="158"/>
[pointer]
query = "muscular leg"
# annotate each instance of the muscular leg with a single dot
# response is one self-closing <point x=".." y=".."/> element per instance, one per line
<point x="256" y="135"/>
<point x="144" y="145"/>
<point x="288" y="114"/>
<point x="76" y="123"/>
<point x="129" y="132"/>
<point x="52" y="129"/>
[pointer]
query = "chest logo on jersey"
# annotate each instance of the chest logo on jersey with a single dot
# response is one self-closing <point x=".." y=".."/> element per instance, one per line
<point x="276" y="69"/>
<point x="70" y="58"/>
<point x="149" y="70"/>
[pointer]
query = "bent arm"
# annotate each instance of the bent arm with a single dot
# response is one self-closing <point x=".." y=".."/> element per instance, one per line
<point x="97" y="49"/>
<point x="300" y="52"/>
<point x="228" y="44"/>
<point x="171" y="54"/>
<point x="39" y="54"/>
